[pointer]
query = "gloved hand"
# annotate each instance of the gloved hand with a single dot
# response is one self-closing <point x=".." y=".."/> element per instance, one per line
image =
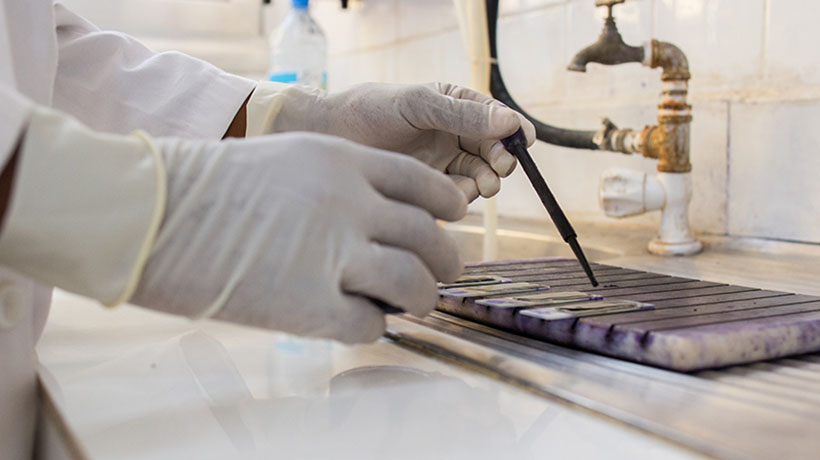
<point x="273" y="232"/>
<point x="452" y="129"/>
<point x="277" y="232"/>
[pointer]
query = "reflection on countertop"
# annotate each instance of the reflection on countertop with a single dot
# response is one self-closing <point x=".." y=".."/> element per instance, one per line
<point x="138" y="384"/>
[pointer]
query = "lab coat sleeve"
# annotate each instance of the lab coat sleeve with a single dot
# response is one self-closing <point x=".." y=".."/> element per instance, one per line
<point x="14" y="115"/>
<point x="113" y="83"/>
<point x="85" y="207"/>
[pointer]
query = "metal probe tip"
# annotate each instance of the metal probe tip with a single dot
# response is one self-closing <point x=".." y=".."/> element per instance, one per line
<point x="579" y="254"/>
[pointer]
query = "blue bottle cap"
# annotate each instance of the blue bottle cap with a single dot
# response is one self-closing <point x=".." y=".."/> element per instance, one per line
<point x="300" y="4"/>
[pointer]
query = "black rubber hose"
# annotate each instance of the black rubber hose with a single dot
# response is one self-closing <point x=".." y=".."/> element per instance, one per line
<point x="550" y="134"/>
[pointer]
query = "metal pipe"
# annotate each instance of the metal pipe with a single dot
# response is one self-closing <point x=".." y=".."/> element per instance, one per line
<point x="610" y="49"/>
<point x="669" y="140"/>
<point x="671" y="59"/>
<point x="674" y="113"/>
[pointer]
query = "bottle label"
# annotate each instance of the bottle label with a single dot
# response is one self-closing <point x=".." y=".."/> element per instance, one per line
<point x="293" y="77"/>
<point x="284" y="77"/>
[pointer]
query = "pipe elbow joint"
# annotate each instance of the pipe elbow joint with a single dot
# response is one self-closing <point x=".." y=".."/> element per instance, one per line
<point x="670" y="59"/>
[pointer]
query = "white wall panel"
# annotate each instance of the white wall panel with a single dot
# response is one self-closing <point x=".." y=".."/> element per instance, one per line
<point x="774" y="163"/>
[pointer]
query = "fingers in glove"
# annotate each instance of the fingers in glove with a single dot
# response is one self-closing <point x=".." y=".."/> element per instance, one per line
<point x="460" y="92"/>
<point x="410" y="228"/>
<point x="467" y="185"/>
<point x="493" y="152"/>
<point x="394" y="276"/>
<point x="528" y="128"/>
<point x="359" y="320"/>
<point x="427" y="108"/>
<point x="467" y="164"/>
<point x="410" y="181"/>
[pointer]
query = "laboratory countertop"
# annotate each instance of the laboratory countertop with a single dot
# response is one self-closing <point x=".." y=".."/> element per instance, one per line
<point x="130" y="383"/>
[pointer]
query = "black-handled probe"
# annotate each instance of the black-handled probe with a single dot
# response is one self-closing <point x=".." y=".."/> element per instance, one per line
<point x="386" y="308"/>
<point x="517" y="145"/>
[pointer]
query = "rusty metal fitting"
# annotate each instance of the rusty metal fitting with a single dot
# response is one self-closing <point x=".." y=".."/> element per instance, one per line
<point x="673" y="99"/>
<point x="623" y="140"/>
<point x="674" y="118"/>
<point x="671" y="59"/>
<point x="674" y="107"/>
<point x="612" y="139"/>
<point x="670" y="143"/>
<point x="649" y="141"/>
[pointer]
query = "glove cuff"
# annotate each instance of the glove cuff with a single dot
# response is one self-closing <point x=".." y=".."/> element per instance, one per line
<point x="280" y="107"/>
<point x="86" y="208"/>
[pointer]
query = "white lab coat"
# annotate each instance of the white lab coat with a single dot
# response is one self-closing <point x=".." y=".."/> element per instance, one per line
<point x="52" y="57"/>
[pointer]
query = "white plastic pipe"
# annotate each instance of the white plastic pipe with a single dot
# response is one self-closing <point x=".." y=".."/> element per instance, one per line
<point x="490" y="242"/>
<point x="674" y="236"/>
<point x="472" y="20"/>
<point x="624" y="192"/>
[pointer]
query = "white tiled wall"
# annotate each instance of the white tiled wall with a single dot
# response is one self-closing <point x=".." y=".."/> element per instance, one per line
<point x="774" y="162"/>
<point x="755" y="91"/>
<point x="226" y="33"/>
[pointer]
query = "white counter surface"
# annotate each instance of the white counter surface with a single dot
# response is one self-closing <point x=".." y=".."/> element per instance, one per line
<point x="135" y="384"/>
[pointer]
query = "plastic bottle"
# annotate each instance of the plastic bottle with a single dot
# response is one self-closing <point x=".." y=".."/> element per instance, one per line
<point x="299" y="49"/>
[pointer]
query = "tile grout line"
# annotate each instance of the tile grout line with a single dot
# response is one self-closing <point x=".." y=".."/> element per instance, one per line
<point x="764" y="39"/>
<point x="727" y="191"/>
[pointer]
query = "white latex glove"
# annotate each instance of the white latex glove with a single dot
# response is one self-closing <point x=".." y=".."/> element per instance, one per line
<point x="292" y="232"/>
<point x="295" y="232"/>
<point x="453" y="129"/>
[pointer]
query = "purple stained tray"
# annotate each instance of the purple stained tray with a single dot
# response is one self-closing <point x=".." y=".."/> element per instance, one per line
<point x="690" y="324"/>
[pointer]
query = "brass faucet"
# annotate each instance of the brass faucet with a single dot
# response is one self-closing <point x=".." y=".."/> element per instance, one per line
<point x="669" y="140"/>
<point x="610" y="48"/>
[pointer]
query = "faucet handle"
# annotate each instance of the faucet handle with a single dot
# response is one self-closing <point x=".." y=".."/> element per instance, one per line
<point x="624" y="192"/>
<point x="609" y="4"/>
